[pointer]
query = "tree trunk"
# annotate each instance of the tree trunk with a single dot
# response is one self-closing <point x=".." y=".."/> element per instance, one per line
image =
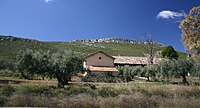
<point x="62" y="81"/>
<point x="43" y="77"/>
<point x="184" y="79"/>
<point x="148" y="78"/>
<point x="24" y="76"/>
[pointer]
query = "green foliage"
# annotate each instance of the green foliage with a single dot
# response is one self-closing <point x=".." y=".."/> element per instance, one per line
<point x="169" y="52"/>
<point x="108" y="92"/>
<point x="77" y="90"/>
<point x="106" y="78"/>
<point x="184" y="67"/>
<point x="10" y="48"/>
<point x="61" y="65"/>
<point x="6" y="64"/>
<point x="3" y="100"/>
<point x="36" y="89"/>
<point x="166" y="69"/>
<point x="173" y="68"/>
<point x="65" y="65"/>
<point x="190" y="27"/>
<point x="196" y="69"/>
<point x="26" y="63"/>
<point x="7" y="90"/>
<point x="148" y="71"/>
<point x="128" y="72"/>
<point x="113" y="49"/>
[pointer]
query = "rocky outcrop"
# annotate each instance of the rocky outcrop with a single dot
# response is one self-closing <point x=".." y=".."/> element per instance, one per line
<point x="12" y="39"/>
<point x="108" y="40"/>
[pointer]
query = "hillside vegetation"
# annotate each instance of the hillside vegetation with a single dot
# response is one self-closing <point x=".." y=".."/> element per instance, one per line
<point x="9" y="46"/>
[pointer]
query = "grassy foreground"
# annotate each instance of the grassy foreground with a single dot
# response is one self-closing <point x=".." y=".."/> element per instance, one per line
<point x="43" y="93"/>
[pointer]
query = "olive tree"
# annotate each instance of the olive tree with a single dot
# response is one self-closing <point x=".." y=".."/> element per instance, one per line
<point x="60" y="65"/>
<point x="64" y="65"/>
<point x="25" y="63"/>
<point x="150" y="47"/>
<point x="196" y="69"/>
<point x="183" y="68"/>
<point x="148" y="71"/>
<point x="173" y="68"/>
<point x="129" y="72"/>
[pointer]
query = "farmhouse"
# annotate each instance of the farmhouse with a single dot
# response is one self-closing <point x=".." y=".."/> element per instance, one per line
<point x="100" y="62"/>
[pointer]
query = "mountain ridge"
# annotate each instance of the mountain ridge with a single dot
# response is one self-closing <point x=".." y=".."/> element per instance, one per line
<point x="10" y="46"/>
<point x="106" y="40"/>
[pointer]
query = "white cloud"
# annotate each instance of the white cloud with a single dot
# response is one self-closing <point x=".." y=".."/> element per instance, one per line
<point x="48" y="1"/>
<point x="167" y="14"/>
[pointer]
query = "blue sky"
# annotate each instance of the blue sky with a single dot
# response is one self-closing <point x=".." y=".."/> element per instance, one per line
<point x="65" y="20"/>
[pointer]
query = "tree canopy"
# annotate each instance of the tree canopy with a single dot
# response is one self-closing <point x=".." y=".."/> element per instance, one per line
<point x="60" y="65"/>
<point x="169" y="52"/>
<point x="190" y="27"/>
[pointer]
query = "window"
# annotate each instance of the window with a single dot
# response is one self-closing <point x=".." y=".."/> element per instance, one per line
<point x="99" y="58"/>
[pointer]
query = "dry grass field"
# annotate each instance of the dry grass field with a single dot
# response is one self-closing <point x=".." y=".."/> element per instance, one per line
<point x="17" y="92"/>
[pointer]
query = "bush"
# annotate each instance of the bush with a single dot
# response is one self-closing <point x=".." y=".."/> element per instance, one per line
<point x="129" y="72"/>
<point x="128" y="101"/>
<point x="27" y="100"/>
<point x="76" y="90"/>
<point x="16" y="75"/>
<point x="188" y="93"/>
<point x="102" y="78"/>
<point x="7" y="90"/>
<point x="161" y="92"/>
<point x="108" y="92"/>
<point x="71" y="91"/>
<point x="3" y="100"/>
<point x="6" y="64"/>
<point x="36" y="89"/>
<point x="79" y="101"/>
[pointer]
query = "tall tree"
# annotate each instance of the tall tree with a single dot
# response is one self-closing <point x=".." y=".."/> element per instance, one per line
<point x="190" y="27"/>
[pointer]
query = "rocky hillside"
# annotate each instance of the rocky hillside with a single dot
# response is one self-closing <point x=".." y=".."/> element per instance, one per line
<point x="109" y="40"/>
<point x="14" y="39"/>
<point x="10" y="46"/>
